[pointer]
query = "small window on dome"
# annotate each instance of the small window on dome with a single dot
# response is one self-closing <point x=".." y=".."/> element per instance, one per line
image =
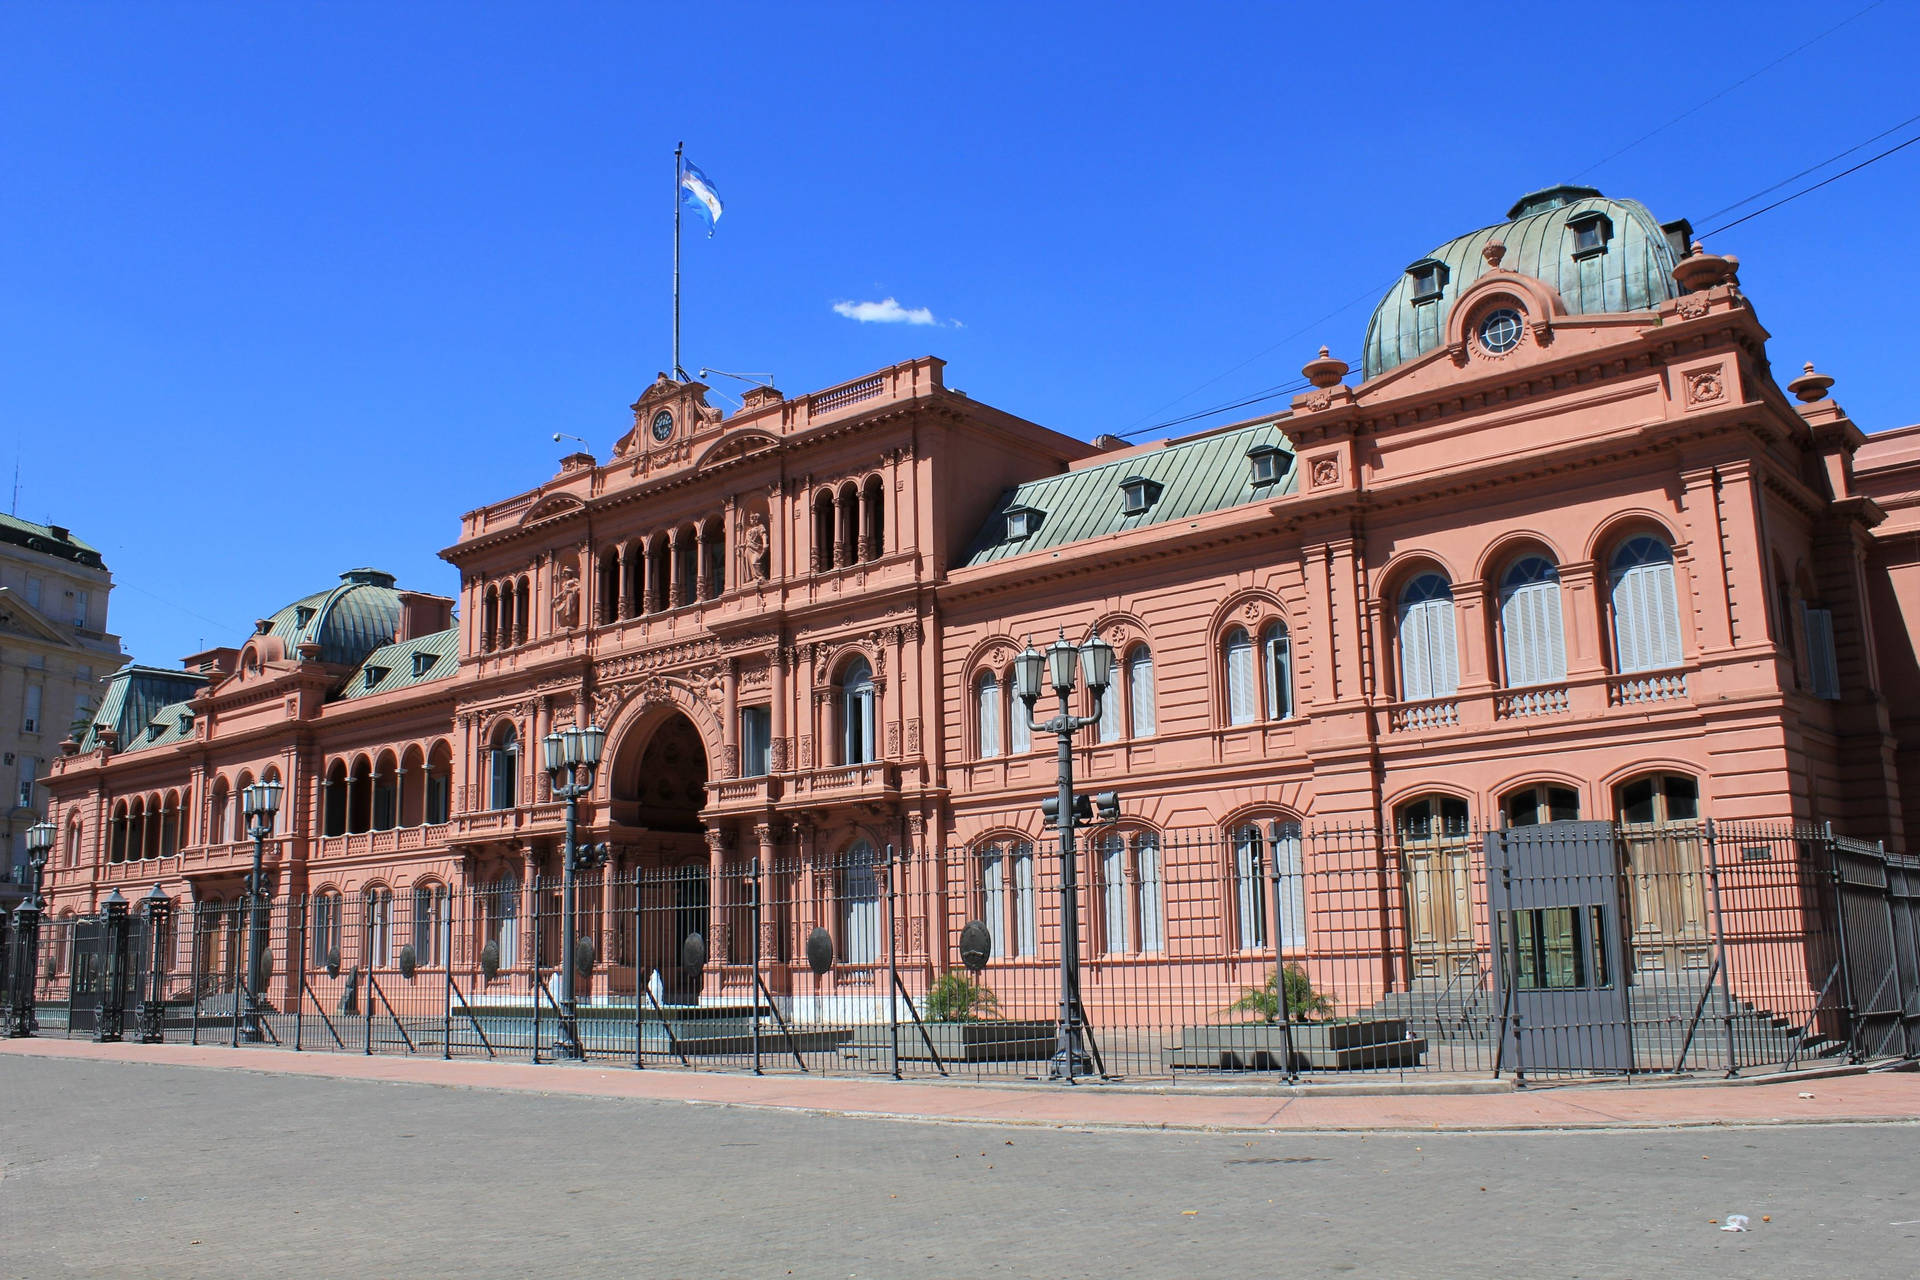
<point x="1500" y="330"/>
<point x="1591" y="231"/>
<point x="1429" y="279"/>
<point x="302" y="616"/>
<point x="1137" y="494"/>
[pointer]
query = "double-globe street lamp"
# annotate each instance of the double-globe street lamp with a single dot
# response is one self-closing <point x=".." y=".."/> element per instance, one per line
<point x="26" y="935"/>
<point x="1060" y="666"/>
<point x="260" y="802"/>
<point x="572" y="756"/>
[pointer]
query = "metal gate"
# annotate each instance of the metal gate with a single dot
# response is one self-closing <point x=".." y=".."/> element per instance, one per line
<point x="1879" y="907"/>
<point x="1554" y="891"/>
<point x="94" y="974"/>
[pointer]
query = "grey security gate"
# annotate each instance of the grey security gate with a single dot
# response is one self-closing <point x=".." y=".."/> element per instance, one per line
<point x="1554" y="892"/>
<point x="1876" y="900"/>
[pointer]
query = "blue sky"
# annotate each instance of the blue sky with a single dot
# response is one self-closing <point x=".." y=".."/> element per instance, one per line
<point x="289" y="287"/>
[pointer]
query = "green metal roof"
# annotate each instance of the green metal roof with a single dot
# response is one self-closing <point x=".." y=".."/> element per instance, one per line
<point x="168" y="724"/>
<point x="391" y="666"/>
<point x="134" y="697"/>
<point x="1635" y="273"/>
<point x="349" y="621"/>
<point x="1196" y="476"/>
<point x="49" y="540"/>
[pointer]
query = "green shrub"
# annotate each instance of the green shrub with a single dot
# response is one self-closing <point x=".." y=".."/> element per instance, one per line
<point x="1304" y="1004"/>
<point x="959" y="998"/>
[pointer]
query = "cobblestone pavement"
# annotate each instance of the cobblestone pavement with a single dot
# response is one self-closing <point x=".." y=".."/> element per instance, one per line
<point x="124" y="1168"/>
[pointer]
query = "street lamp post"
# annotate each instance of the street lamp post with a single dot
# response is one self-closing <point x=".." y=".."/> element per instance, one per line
<point x="152" y="1009"/>
<point x="1057" y="666"/>
<point x="572" y="756"/>
<point x="26" y="935"/>
<point x="260" y="802"/>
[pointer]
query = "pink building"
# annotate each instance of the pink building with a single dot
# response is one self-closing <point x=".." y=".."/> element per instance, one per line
<point x="1563" y="549"/>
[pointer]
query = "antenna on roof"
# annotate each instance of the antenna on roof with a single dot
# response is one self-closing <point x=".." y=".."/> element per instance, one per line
<point x="14" y="510"/>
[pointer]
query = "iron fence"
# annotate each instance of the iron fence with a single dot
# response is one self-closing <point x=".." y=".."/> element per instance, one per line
<point x="1564" y="948"/>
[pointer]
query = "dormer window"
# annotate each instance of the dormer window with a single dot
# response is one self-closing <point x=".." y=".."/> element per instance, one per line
<point x="374" y="675"/>
<point x="1591" y="231"/>
<point x="186" y="723"/>
<point x="302" y="616"/>
<point x="1429" y="277"/>
<point x="1137" y="495"/>
<point x="1267" y="463"/>
<point x="154" y="730"/>
<point x="1022" y="522"/>
<point x="422" y="662"/>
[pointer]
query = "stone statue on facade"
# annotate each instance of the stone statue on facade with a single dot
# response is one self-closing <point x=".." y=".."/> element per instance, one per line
<point x="566" y="598"/>
<point x="755" y="548"/>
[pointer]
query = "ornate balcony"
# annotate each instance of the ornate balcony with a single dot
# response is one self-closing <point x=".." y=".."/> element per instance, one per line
<point x="1418" y="717"/>
<point x="1521" y="704"/>
<point x="876" y="781"/>
<point x="1653" y="686"/>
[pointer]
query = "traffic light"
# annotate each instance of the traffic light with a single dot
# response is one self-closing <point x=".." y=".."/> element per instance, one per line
<point x="1107" y="804"/>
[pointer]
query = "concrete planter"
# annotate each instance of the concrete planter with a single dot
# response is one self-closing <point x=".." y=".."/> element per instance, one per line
<point x="1317" y="1046"/>
<point x="993" y="1041"/>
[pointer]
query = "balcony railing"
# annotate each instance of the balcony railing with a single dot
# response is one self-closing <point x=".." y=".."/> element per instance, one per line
<point x="849" y="781"/>
<point x="1415" y="717"/>
<point x="1519" y="704"/>
<point x="1656" y="686"/>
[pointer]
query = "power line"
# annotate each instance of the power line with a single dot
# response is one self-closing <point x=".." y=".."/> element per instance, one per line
<point x="1815" y="187"/>
<point x="1707" y="102"/>
<point x="1811" y="169"/>
<point x="1271" y="393"/>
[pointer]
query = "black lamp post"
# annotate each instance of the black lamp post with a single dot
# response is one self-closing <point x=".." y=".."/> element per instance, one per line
<point x="1060" y="666"/>
<point x="572" y="756"/>
<point x="260" y="802"/>
<point x="158" y="909"/>
<point x="26" y="935"/>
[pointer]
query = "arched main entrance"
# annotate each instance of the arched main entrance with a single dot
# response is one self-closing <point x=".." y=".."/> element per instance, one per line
<point x="657" y="790"/>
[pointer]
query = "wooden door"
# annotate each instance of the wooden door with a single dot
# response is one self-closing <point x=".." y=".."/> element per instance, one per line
<point x="1663" y="873"/>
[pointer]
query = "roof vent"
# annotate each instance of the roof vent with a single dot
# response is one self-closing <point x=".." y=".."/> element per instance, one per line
<point x="1550" y="198"/>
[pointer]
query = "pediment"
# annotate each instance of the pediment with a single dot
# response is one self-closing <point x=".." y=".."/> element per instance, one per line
<point x="737" y="445"/>
<point x="554" y="504"/>
<point x="21" y="618"/>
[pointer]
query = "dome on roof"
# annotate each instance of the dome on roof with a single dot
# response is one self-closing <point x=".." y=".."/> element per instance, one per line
<point x="348" y="621"/>
<point x="1601" y="254"/>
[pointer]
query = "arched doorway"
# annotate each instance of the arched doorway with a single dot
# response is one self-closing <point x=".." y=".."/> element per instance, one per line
<point x="657" y="789"/>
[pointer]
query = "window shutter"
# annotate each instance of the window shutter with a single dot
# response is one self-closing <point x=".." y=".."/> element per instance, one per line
<point x="1277" y="651"/>
<point x="1822" y="656"/>
<point x="1023" y="900"/>
<point x="1646" y="618"/>
<point x="1628" y="624"/>
<point x="1240" y="700"/>
<point x="1152" y="930"/>
<point x="1664" y="602"/>
<point x="1140" y="690"/>
<point x="989" y="707"/>
<point x="1019" y="727"/>
<point x="1293" y="890"/>
<point x="993" y="905"/>
<point x="1110" y="728"/>
<point x="1442" y="649"/>
<point x="1113" y="874"/>
<point x="1250" y="884"/>
<point x="1416" y="683"/>
<point x="1530" y="626"/>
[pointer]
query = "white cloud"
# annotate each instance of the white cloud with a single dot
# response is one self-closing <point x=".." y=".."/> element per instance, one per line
<point x="887" y="311"/>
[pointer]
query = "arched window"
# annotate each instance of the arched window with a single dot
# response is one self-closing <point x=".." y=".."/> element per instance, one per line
<point x="218" y="799"/>
<point x="1112" y="723"/>
<point x="1006" y="897"/>
<point x="439" y="784"/>
<point x="1532" y="806"/>
<point x="857" y="713"/>
<point x="334" y="806"/>
<point x="1646" y="607"/>
<point x="1130" y="892"/>
<point x="360" y="797"/>
<point x="501" y="902"/>
<point x="490" y="620"/>
<point x="1530" y="631"/>
<point x="1140" y="695"/>
<point x="659" y="573"/>
<point x="503" y="767"/>
<point x="986" y="701"/>
<point x="117" y="834"/>
<point x="859" y="906"/>
<point x="1276" y="668"/>
<point x="1429" y="654"/>
<point x="170" y="825"/>
<point x="1659" y="799"/>
<point x="432" y="925"/>
<point x="847" y="540"/>
<point x="377" y="904"/>
<point x="73" y="843"/>
<point x="1242" y="695"/>
<point x="410" y="783"/>
<point x="823" y="531"/>
<point x="386" y="793"/>
<point x="326" y="927"/>
<point x="873" y="538"/>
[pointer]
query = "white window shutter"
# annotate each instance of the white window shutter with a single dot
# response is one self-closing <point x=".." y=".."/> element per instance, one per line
<point x="1019" y="727"/>
<point x="1293" y="889"/>
<point x="1554" y="650"/>
<point x="988" y="702"/>
<point x="1152" y="929"/>
<point x="1113" y="874"/>
<point x="1416" y="682"/>
<point x="1023" y="901"/>
<point x="1240" y="693"/>
<point x="1140" y="690"/>
<point x="1110" y="728"/>
<point x="993" y="902"/>
<point x="1628" y="624"/>
<point x="1666" y="603"/>
<point x="1442" y="648"/>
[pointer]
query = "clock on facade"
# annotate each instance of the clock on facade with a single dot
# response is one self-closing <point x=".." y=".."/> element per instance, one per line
<point x="662" y="426"/>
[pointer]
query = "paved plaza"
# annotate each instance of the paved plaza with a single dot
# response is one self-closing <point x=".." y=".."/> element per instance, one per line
<point x="258" y="1172"/>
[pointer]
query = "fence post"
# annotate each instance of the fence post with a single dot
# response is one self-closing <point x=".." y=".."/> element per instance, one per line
<point x="444" y="929"/>
<point x="893" y="975"/>
<point x="296" y="909"/>
<point x="193" y="977"/>
<point x="533" y="958"/>
<point x="753" y="890"/>
<point x="1281" y="1003"/>
<point x="640" y="980"/>
<point x="110" y="1014"/>
<point x="1849" y="1010"/>
<point x="1720" y="945"/>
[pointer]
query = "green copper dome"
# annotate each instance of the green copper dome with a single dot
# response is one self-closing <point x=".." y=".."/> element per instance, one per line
<point x="1601" y="255"/>
<point x="348" y="622"/>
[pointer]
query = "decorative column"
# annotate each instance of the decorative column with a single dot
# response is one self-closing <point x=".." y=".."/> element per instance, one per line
<point x="777" y="683"/>
<point x="529" y="909"/>
<point x="701" y="583"/>
<point x="623" y="585"/>
<point x="718" y="906"/>
<point x="769" y="904"/>
<point x="730" y="717"/>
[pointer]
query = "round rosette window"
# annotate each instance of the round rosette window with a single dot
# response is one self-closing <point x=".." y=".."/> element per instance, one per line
<point x="1500" y="330"/>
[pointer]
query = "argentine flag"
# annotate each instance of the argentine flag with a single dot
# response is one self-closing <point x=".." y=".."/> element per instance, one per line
<point x="697" y="192"/>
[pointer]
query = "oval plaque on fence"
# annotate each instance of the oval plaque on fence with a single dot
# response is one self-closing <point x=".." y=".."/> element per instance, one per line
<point x="408" y="962"/>
<point x="333" y="963"/>
<point x="819" y="951"/>
<point x="693" y="952"/>
<point x="976" y="945"/>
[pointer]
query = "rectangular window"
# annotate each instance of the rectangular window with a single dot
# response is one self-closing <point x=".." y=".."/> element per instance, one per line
<point x="439" y="790"/>
<point x="1821" y="655"/>
<point x="30" y="722"/>
<point x="28" y="768"/>
<point x="1019" y="727"/>
<point x="79" y="610"/>
<point x="1240" y="679"/>
<point x="993" y="901"/>
<point x="1250" y="882"/>
<point x="1147" y="855"/>
<point x="1113" y="878"/>
<point x="1558" y="948"/>
<point x="860" y="911"/>
<point x="33" y="592"/>
<point x="502" y="788"/>
<point x="756" y="741"/>
<point x="1024" y="932"/>
<point x="1110" y="715"/>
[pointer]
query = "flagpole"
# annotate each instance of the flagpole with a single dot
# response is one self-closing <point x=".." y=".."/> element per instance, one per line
<point x="678" y="174"/>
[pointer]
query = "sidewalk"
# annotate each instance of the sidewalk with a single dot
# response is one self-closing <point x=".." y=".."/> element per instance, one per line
<point x="1873" y="1097"/>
